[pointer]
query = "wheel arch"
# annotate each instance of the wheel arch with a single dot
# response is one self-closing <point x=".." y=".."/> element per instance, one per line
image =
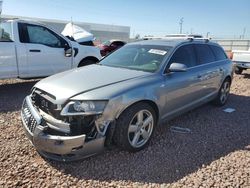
<point x="148" y="101"/>
<point x="228" y="78"/>
<point x="92" y="58"/>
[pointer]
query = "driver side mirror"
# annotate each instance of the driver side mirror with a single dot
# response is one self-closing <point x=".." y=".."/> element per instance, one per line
<point x="177" y="67"/>
<point x="68" y="52"/>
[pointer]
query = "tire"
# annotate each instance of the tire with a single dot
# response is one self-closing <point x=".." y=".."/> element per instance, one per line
<point x="223" y="94"/>
<point x="134" y="127"/>
<point x="86" y="62"/>
<point x="238" y="70"/>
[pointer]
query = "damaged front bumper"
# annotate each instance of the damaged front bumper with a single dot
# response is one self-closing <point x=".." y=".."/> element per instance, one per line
<point x="61" y="148"/>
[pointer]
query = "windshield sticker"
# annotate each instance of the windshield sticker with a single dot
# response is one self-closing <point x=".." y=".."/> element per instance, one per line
<point x="158" y="52"/>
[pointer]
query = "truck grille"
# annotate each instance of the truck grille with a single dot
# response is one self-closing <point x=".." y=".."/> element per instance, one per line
<point x="28" y="118"/>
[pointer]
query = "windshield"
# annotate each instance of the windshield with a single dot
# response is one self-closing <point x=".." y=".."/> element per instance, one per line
<point x="137" y="57"/>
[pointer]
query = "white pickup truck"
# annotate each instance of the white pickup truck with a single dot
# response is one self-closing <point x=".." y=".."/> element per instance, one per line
<point x="29" y="49"/>
<point x="241" y="59"/>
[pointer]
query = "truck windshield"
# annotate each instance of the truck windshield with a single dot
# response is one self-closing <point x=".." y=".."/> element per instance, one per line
<point x="5" y="32"/>
<point x="137" y="57"/>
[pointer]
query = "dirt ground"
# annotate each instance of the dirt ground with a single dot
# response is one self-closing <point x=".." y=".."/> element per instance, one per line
<point x="216" y="153"/>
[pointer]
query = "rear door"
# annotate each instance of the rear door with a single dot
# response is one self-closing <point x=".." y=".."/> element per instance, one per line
<point x="210" y="70"/>
<point x="8" y="64"/>
<point x="45" y="50"/>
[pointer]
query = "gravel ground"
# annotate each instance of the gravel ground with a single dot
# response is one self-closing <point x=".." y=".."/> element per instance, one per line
<point x="215" y="154"/>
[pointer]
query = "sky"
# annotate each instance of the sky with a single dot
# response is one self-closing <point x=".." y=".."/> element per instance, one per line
<point x="221" y="18"/>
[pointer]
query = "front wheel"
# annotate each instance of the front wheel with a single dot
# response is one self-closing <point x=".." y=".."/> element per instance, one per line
<point x="223" y="94"/>
<point x="135" y="127"/>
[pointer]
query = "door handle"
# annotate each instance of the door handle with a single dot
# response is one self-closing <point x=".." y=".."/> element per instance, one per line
<point x="33" y="50"/>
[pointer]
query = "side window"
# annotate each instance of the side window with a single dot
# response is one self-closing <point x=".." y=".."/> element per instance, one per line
<point x="185" y="55"/>
<point x="204" y="54"/>
<point x="41" y="35"/>
<point x="5" y="32"/>
<point x="218" y="52"/>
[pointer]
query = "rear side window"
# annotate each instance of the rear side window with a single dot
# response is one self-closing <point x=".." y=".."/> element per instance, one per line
<point x="184" y="55"/>
<point x="218" y="52"/>
<point x="5" y="32"/>
<point x="204" y="54"/>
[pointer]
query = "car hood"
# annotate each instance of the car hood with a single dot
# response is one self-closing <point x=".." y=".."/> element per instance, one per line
<point x="80" y="80"/>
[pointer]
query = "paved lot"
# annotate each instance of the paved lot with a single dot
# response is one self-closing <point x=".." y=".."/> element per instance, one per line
<point x="215" y="154"/>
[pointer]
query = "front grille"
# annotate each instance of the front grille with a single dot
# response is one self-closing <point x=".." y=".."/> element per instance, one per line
<point x="28" y="118"/>
<point x="41" y="101"/>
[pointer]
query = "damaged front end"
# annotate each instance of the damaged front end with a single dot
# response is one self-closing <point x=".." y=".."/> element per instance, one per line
<point x="64" y="133"/>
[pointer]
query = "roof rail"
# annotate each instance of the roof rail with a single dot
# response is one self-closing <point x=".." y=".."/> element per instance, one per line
<point x="205" y="39"/>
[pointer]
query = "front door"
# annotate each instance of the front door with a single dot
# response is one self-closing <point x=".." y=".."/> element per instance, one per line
<point x="45" y="50"/>
<point x="182" y="89"/>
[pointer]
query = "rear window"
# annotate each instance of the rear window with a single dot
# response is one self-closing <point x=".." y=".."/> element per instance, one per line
<point x="204" y="54"/>
<point x="5" y="32"/>
<point x="218" y="52"/>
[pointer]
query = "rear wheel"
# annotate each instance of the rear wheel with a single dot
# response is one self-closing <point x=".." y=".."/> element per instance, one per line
<point x="238" y="70"/>
<point x="135" y="127"/>
<point x="223" y="94"/>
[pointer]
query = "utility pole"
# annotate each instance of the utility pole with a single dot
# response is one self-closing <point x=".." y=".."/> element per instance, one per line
<point x="191" y="31"/>
<point x="181" y="22"/>
<point x="244" y="32"/>
<point x="208" y="34"/>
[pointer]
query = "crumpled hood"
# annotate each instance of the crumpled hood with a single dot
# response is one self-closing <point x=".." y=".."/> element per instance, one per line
<point x="80" y="80"/>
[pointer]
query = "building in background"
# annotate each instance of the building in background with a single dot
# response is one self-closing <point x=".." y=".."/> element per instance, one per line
<point x="102" y="32"/>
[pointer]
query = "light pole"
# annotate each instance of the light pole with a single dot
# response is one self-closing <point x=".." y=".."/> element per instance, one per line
<point x="244" y="32"/>
<point x="208" y="34"/>
<point x="181" y="22"/>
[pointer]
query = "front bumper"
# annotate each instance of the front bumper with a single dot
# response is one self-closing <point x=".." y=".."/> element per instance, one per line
<point x="244" y="65"/>
<point x="61" y="148"/>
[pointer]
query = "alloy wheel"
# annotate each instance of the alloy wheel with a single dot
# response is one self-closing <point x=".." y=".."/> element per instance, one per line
<point x="140" y="128"/>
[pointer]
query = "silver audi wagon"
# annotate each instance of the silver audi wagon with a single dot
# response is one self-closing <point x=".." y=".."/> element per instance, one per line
<point x="121" y="100"/>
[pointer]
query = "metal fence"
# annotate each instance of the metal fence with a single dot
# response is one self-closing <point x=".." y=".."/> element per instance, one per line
<point x="234" y="44"/>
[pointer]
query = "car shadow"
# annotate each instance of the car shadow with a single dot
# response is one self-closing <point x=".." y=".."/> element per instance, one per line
<point x="171" y="155"/>
<point x="12" y="95"/>
<point x="246" y="75"/>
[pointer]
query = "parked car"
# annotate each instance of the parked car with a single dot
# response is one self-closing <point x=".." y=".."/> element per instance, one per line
<point x="110" y="46"/>
<point x="241" y="58"/>
<point x="75" y="114"/>
<point x="29" y="49"/>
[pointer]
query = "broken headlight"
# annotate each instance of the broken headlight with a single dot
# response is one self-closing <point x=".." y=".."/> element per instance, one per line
<point x="83" y="108"/>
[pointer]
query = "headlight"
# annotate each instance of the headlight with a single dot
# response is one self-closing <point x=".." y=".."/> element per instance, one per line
<point x="83" y="108"/>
